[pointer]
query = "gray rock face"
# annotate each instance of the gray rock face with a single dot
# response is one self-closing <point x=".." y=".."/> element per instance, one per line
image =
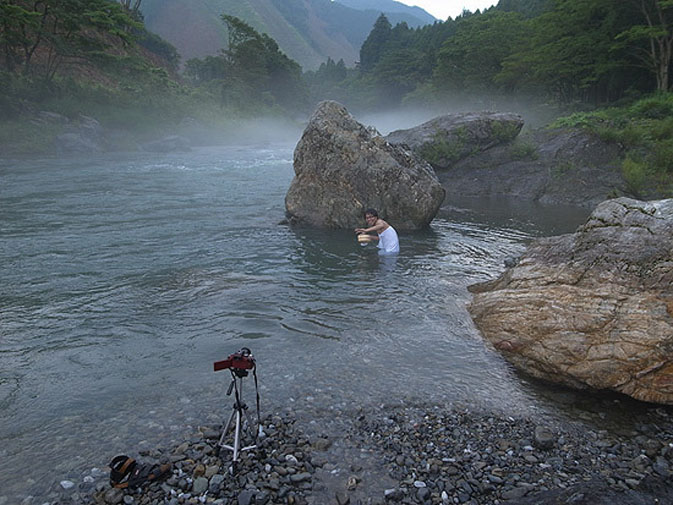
<point x="552" y="167"/>
<point x="444" y="140"/>
<point x="342" y="168"/>
<point x="593" y="309"/>
<point x="83" y="135"/>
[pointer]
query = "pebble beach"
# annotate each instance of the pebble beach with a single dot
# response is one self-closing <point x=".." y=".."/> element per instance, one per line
<point x="407" y="455"/>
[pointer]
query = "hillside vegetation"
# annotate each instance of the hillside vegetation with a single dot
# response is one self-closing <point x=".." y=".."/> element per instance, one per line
<point x="607" y="62"/>
<point x="308" y="31"/>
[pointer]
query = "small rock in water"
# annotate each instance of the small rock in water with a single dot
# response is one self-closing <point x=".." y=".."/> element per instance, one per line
<point x="67" y="484"/>
<point x="544" y="438"/>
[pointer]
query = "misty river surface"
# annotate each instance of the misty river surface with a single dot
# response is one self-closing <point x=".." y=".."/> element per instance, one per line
<point x="125" y="276"/>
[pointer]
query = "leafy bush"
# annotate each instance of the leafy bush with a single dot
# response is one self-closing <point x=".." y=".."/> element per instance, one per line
<point x="636" y="174"/>
<point x="522" y="150"/>
<point x="662" y="157"/>
<point x="504" y="132"/>
<point x="440" y="151"/>
<point x="659" y="106"/>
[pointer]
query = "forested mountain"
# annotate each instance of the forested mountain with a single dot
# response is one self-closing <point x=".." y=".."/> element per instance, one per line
<point x="529" y="8"/>
<point x="388" y="6"/>
<point x="308" y="31"/>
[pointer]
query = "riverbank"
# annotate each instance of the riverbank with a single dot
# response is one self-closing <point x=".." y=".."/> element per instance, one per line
<point x="409" y="455"/>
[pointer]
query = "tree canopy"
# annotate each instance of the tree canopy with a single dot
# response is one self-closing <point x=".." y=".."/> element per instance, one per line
<point x="251" y="68"/>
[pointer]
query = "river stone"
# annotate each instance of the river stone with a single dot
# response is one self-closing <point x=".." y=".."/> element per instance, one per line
<point x="544" y="437"/>
<point x="592" y="309"/>
<point x="200" y="485"/>
<point x="451" y="137"/>
<point x="342" y="168"/>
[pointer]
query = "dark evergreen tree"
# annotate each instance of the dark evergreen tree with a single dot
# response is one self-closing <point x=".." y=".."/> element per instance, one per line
<point x="374" y="46"/>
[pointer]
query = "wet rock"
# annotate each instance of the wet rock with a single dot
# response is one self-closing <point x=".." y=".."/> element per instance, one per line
<point x="446" y="139"/>
<point x="321" y="444"/>
<point x="342" y="498"/>
<point x="113" y="496"/>
<point x="544" y="437"/>
<point x="342" y="168"/>
<point x="246" y="497"/>
<point x="591" y="309"/>
<point x="571" y="167"/>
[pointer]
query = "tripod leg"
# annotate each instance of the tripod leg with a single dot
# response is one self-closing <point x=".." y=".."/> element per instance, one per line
<point x="237" y="435"/>
<point x="251" y="432"/>
<point x="221" y="443"/>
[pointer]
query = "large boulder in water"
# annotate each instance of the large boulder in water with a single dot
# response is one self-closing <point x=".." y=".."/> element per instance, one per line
<point x="592" y="309"/>
<point x="342" y="168"/>
<point x="444" y="140"/>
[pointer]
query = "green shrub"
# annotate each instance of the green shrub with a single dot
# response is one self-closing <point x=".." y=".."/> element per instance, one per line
<point x="662" y="157"/>
<point x="523" y="150"/>
<point x="609" y="133"/>
<point x="562" y="169"/>
<point x="663" y="129"/>
<point x="632" y="136"/>
<point x="440" y="151"/>
<point x="636" y="174"/>
<point x="659" y="106"/>
<point x="504" y="132"/>
<point x="575" y="120"/>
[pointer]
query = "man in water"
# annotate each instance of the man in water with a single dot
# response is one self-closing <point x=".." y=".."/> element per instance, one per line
<point x="389" y="243"/>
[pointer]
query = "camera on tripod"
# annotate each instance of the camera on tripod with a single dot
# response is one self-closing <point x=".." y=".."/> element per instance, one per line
<point x="239" y="363"/>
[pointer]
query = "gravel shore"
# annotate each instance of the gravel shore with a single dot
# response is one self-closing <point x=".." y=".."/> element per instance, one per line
<point x="407" y="455"/>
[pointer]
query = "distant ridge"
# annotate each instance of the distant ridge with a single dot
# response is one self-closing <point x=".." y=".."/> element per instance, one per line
<point x="308" y="31"/>
<point x="388" y="6"/>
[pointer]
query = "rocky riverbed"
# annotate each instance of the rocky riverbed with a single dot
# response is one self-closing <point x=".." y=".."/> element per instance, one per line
<point x="408" y="455"/>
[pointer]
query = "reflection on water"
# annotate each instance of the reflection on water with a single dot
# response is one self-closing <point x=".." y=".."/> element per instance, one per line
<point x="124" y="278"/>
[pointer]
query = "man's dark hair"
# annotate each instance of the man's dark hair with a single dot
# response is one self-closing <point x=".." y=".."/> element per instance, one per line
<point x="372" y="212"/>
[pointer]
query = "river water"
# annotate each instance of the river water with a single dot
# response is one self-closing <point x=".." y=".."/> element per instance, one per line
<point x="125" y="276"/>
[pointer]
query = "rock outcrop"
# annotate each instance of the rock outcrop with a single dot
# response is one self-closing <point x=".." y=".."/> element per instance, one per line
<point x="593" y="309"/>
<point x="571" y="167"/>
<point x="444" y="140"/>
<point x="83" y="135"/>
<point x="342" y="168"/>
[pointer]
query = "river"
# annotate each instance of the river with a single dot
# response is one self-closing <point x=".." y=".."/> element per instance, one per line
<point x="124" y="276"/>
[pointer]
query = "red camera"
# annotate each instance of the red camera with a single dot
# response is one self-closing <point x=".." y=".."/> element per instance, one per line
<point x="241" y="360"/>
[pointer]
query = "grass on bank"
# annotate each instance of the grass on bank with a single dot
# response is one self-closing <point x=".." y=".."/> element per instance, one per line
<point x="644" y="129"/>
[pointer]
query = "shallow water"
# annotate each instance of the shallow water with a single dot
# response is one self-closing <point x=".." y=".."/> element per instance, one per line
<point x="125" y="276"/>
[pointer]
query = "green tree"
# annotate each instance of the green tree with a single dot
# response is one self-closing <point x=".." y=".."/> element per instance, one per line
<point x="60" y="31"/>
<point x="473" y="57"/>
<point x="652" y="42"/>
<point x="374" y="46"/>
<point x="17" y="22"/>
<point x="257" y="69"/>
<point x="400" y="72"/>
<point x="571" y="53"/>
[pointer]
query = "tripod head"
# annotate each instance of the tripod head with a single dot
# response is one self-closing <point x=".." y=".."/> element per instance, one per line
<point x="239" y="363"/>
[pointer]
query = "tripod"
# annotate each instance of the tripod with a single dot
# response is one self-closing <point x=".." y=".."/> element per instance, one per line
<point x="238" y="418"/>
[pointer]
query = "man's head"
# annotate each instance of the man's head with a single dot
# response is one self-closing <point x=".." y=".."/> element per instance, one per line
<point x="371" y="216"/>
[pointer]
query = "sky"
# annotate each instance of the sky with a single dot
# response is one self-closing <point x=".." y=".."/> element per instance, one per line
<point x="442" y="9"/>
